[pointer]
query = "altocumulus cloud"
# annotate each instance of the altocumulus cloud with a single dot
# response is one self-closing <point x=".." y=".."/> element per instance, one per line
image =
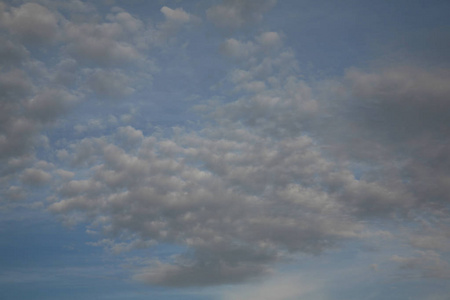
<point x="285" y="167"/>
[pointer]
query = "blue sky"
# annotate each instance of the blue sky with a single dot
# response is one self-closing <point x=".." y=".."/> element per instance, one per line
<point x="224" y="150"/>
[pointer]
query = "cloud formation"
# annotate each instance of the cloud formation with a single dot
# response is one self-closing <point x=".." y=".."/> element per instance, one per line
<point x="231" y="14"/>
<point x="31" y="22"/>
<point x="255" y="187"/>
<point x="268" y="165"/>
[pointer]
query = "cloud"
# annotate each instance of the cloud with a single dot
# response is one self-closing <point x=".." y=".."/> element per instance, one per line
<point x="263" y="44"/>
<point x="199" y="273"/>
<point x="11" y="53"/>
<point x="33" y="23"/>
<point x="427" y="264"/>
<point x="35" y="93"/>
<point x="49" y="104"/>
<point x="176" y="15"/>
<point x="24" y="117"/>
<point x="101" y="44"/>
<point x="35" y="177"/>
<point x="404" y="111"/>
<point x="279" y="287"/>
<point x="284" y="167"/>
<point x="16" y="130"/>
<point x="252" y="188"/>
<point x="231" y="14"/>
<point x="238" y="203"/>
<point x="110" y="84"/>
<point x="175" y="20"/>
<point x="433" y="235"/>
<point x="270" y="40"/>
<point x="234" y="48"/>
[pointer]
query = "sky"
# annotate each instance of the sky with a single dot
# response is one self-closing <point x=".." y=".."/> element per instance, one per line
<point x="225" y="150"/>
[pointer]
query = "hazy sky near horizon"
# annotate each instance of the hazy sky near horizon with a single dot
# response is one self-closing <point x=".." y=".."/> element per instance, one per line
<point x="225" y="150"/>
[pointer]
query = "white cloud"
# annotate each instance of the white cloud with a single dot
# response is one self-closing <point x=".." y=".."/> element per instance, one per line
<point x="262" y="44"/>
<point x="270" y="40"/>
<point x="232" y="14"/>
<point x="175" y="20"/>
<point x="237" y="49"/>
<point x="176" y="15"/>
<point x="103" y="44"/>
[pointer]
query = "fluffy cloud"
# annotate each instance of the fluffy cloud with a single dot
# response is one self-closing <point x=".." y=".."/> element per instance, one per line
<point x="264" y="43"/>
<point x="239" y="202"/>
<point x="35" y="177"/>
<point x="103" y="44"/>
<point x="24" y="113"/>
<point x="15" y="129"/>
<point x="33" y="23"/>
<point x="93" y="55"/>
<point x="49" y="104"/>
<point x="232" y="14"/>
<point x="264" y="181"/>
<point x="176" y="15"/>
<point x="175" y="20"/>
<point x="111" y="84"/>
<point x="284" y="167"/>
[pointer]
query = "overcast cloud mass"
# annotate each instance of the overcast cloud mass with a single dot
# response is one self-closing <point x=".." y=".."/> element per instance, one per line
<point x="224" y="150"/>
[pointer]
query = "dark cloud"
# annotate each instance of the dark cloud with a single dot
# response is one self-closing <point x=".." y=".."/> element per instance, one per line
<point x="395" y="121"/>
<point x="11" y="54"/>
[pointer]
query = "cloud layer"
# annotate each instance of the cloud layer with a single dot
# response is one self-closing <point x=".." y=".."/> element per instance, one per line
<point x="268" y="166"/>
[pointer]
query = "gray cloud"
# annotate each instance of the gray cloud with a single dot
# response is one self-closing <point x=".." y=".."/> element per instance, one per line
<point x="35" y="177"/>
<point x="396" y="123"/>
<point x="35" y="94"/>
<point x="200" y="273"/>
<point x="49" y="104"/>
<point x="110" y="84"/>
<point x="278" y="171"/>
<point x="11" y="53"/>
<point x="265" y="180"/>
<point x="426" y="264"/>
<point x="240" y="202"/>
<point x="104" y="44"/>
<point x="33" y="23"/>
<point x="15" y="130"/>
